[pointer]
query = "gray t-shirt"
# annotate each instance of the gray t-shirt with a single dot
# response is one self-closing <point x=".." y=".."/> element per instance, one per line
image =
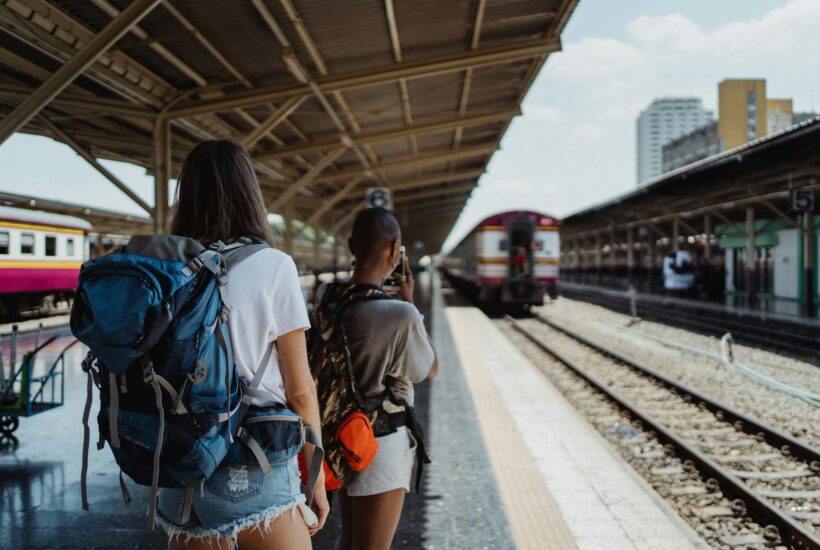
<point x="389" y="346"/>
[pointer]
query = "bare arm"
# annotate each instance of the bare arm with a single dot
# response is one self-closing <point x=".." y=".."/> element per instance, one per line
<point x="301" y="394"/>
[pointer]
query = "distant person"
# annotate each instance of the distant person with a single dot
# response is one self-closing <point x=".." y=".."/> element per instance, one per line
<point x="519" y="260"/>
<point x="218" y="199"/>
<point x="390" y="351"/>
<point x="678" y="273"/>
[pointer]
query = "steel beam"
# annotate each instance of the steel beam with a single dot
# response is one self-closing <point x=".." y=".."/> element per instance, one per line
<point x="89" y="105"/>
<point x="432" y="66"/>
<point x="75" y="66"/>
<point x="410" y="162"/>
<point x="453" y="190"/>
<point x="275" y="118"/>
<point x="330" y="202"/>
<point x="162" y="173"/>
<point x="310" y="176"/>
<point x="422" y="129"/>
<point x="68" y="140"/>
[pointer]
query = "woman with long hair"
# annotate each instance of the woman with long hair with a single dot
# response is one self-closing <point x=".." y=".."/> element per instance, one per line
<point x="218" y="199"/>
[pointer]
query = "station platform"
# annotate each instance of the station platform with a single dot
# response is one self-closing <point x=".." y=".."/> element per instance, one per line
<point x="514" y="466"/>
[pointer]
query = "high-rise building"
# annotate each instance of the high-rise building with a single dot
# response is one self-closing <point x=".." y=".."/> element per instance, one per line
<point x="779" y="114"/>
<point x="745" y="115"/>
<point x="743" y="112"/>
<point x="664" y="120"/>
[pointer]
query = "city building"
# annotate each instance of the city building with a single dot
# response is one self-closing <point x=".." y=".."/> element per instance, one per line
<point x="692" y="147"/>
<point x="744" y="114"/>
<point x="664" y="120"/>
<point x="779" y="114"/>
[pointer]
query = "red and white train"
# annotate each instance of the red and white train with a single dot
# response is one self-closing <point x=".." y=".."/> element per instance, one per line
<point x="40" y="259"/>
<point x="509" y="259"/>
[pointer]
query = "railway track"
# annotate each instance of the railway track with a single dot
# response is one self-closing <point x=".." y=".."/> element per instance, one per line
<point x="770" y="477"/>
<point x="790" y="339"/>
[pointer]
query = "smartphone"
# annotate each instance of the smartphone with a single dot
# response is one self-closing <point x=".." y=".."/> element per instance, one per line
<point x="393" y="283"/>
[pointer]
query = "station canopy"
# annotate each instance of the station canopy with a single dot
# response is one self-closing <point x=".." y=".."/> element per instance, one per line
<point x="752" y="181"/>
<point x="331" y="97"/>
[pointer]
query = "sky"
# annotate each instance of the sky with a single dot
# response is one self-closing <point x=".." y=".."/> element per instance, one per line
<point x="574" y="145"/>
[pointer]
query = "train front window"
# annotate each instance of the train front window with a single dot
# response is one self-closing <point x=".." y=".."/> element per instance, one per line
<point x="4" y="242"/>
<point x="27" y="243"/>
<point x="51" y="245"/>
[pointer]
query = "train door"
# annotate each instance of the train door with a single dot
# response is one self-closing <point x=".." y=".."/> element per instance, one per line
<point x="520" y="236"/>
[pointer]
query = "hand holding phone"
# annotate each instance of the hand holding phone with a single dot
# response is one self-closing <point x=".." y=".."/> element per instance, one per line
<point x="407" y="283"/>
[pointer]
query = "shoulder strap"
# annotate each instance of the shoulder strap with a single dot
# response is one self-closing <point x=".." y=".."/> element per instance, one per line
<point x="240" y="250"/>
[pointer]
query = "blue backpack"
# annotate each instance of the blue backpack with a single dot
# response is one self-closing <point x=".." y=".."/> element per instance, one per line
<point x="154" y="316"/>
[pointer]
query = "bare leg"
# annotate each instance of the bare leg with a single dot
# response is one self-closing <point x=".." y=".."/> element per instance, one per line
<point x="375" y="519"/>
<point x="287" y="532"/>
<point x="346" y="506"/>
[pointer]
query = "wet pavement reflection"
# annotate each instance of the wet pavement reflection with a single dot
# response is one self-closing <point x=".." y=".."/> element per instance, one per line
<point x="40" y="505"/>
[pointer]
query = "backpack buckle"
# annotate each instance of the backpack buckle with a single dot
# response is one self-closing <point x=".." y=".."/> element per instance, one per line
<point x="148" y="373"/>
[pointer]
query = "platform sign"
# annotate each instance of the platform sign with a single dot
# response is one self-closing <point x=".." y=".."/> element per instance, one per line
<point x="379" y="197"/>
<point x="803" y="200"/>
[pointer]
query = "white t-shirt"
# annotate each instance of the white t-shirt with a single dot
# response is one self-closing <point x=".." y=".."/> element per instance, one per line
<point x="266" y="302"/>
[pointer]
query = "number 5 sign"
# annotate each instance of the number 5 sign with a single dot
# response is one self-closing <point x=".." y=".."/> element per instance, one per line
<point x="803" y="200"/>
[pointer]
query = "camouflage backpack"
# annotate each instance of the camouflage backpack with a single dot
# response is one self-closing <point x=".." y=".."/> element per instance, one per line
<point x="332" y="368"/>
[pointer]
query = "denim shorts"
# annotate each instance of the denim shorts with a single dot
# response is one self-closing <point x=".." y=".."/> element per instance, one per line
<point x="236" y="497"/>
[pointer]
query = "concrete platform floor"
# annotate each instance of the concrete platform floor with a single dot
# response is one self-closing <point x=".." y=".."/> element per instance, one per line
<point x="512" y="467"/>
<point x="40" y="472"/>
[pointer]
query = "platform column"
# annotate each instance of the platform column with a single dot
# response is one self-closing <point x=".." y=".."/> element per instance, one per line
<point x="751" y="256"/>
<point x="630" y="253"/>
<point x="707" y="247"/>
<point x="162" y="172"/>
<point x="317" y="248"/>
<point x="675" y="234"/>
<point x="287" y="234"/>
<point x="808" y="263"/>
<point x="576" y="260"/>
<point x="598" y="255"/>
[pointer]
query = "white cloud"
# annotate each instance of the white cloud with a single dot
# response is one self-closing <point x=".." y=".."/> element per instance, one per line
<point x="578" y="128"/>
<point x="543" y="112"/>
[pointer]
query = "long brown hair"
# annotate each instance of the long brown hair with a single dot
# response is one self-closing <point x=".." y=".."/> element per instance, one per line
<point x="218" y="196"/>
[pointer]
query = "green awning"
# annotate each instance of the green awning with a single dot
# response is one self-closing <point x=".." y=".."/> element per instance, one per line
<point x="738" y="240"/>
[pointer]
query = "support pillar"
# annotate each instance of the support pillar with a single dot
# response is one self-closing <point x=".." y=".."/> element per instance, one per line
<point x="598" y="253"/>
<point x="751" y="256"/>
<point x="317" y="249"/>
<point x="808" y="264"/>
<point x="630" y="253"/>
<point x="707" y="247"/>
<point x="675" y="234"/>
<point x="162" y="173"/>
<point x="287" y="234"/>
<point x="577" y="263"/>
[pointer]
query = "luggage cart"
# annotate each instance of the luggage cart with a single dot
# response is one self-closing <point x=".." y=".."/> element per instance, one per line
<point x="25" y="392"/>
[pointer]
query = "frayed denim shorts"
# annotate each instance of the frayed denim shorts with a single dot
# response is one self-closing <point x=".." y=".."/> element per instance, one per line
<point x="236" y="497"/>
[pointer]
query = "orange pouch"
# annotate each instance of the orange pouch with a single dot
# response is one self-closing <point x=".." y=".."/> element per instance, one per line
<point x="357" y="440"/>
<point x="332" y="483"/>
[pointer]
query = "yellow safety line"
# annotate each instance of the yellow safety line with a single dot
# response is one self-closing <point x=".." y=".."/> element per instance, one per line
<point x="532" y="514"/>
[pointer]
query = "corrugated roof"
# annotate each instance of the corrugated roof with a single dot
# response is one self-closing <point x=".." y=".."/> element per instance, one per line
<point x="219" y="68"/>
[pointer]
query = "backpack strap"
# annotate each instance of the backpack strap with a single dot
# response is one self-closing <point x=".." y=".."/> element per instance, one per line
<point x="149" y="377"/>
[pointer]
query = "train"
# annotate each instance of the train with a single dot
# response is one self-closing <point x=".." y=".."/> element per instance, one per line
<point x="40" y="259"/>
<point x="509" y="259"/>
